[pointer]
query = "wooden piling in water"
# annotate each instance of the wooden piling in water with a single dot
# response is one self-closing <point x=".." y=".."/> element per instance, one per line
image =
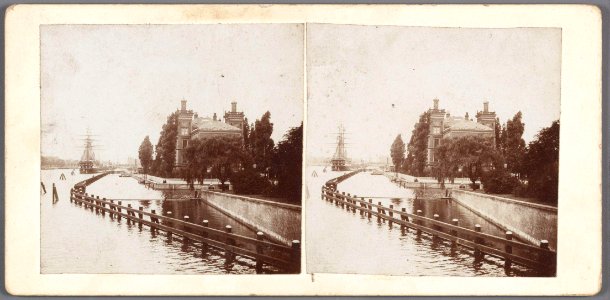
<point x="454" y="222"/>
<point x="403" y="218"/>
<point x="369" y="211"/>
<point x="478" y="254"/>
<point x="419" y="222"/>
<point x="129" y="221"/>
<point x="118" y="208"/>
<point x="436" y="217"/>
<point x="379" y="211"/>
<point x="296" y="255"/>
<point x="169" y="233"/>
<point x="140" y="216"/>
<point x="259" y="249"/>
<point x="230" y="242"/>
<point x="204" y="234"/>
<point x="185" y="240"/>
<point x="508" y="248"/>
<point x="390" y="214"/>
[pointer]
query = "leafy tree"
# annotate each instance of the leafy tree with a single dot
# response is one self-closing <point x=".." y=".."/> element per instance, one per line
<point x="541" y="164"/>
<point x="221" y="154"/>
<point x="166" y="147"/>
<point x="246" y="135"/>
<point x="472" y="154"/>
<point x="498" y="135"/>
<point x="287" y="164"/>
<point x="418" y="146"/>
<point x="514" y="144"/>
<point x="263" y="144"/>
<point x="397" y="152"/>
<point x="145" y="154"/>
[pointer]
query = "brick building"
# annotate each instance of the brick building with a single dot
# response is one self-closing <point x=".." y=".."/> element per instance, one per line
<point x="191" y="126"/>
<point x="442" y="125"/>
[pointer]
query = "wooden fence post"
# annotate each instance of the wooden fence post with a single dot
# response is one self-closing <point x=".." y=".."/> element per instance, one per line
<point x="370" y="208"/>
<point x="544" y="258"/>
<point x="508" y="248"/>
<point x="454" y="222"/>
<point x="296" y="255"/>
<point x="353" y="202"/>
<point x="361" y="205"/>
<point x="204" y="234"/>
<point x="390" y="214"/>
<point x="259" y="249"/>
<point x="403" y="218"/>
<point x="230" y="242"/>
<point x="435" y="227"/>
<point x="379" y="211"/>
<point x="129" y="214"/>
<point x="169" y="224"/>
<point x="419" y="222"/>
<point x="141" y="209"/>
<point x="185" y="240"/>
<point x="118" y="208"/>
<point x="153" y="220"/>
<point x="478" y="254"/>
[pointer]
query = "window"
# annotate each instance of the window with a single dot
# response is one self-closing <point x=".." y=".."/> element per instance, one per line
<point x="437" y="142"/>
<point x="185" y="143"/>
<point x="184" y="131"/>
<point x="436" y="130"/>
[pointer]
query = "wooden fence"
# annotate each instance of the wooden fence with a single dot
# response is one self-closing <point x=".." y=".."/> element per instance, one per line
<point x="287" y="258"/>
<point x="511" y="251"/>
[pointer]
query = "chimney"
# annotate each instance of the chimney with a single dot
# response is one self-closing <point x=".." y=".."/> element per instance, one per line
<point x="183" y="105"/>
<point x="435" y="103"/>
<point x="485" y="106"/>
<point x="233" y="106"/>
<point x="214" y="117"/>
<point x="466" y="117"/>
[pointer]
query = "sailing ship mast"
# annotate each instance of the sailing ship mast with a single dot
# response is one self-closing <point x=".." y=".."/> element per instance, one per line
<point x="339" y="160"/>
<point x="87" y="160"/>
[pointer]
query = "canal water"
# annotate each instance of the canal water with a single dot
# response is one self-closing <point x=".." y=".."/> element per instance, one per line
<point x="339" y="241"/>
<point x="79" y="241"/>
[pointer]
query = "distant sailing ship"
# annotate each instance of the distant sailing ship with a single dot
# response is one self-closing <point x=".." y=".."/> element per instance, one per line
<point x="87" y="160"/>
<point x="340" y="162"/>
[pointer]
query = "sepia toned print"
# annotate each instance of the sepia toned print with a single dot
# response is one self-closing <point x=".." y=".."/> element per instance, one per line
<point x="432" y="151"/>
<point x="171" y="149"/>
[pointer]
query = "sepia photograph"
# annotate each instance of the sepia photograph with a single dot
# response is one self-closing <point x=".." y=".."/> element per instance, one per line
<point x="435" y="151"/>
<point x="171" y="149"/>
<point x="303" y="150"/>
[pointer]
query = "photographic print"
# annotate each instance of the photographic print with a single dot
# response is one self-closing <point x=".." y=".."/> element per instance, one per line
<point x="432" y="151"/>
<point x="171" y="149"/>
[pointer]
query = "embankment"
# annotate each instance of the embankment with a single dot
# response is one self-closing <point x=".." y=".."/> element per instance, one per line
<point x="279" y="221"/>
<point x="528" y="221"/>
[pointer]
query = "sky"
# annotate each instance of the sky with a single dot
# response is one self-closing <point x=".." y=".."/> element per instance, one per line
<point x="377" y="80"/>
<point x="122" y="81"/>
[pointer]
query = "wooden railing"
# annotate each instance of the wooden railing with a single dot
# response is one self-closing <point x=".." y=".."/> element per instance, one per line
<point x="286" y="258"/>
<point x="511" y="251"/>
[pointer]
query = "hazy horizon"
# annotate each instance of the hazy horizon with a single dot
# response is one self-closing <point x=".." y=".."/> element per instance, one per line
<point x="122" y="81"/>
<point x="377" y="80"/>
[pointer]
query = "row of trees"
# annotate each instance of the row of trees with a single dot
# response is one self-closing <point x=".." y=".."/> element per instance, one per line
<point x="506" y="166"/>
<point x="252" y="162"/>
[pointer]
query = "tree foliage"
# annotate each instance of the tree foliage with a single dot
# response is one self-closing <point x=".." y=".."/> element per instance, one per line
<point x="145" y="153"/>
<point x="541" y="164"/>
<point x="166" y="148"/>
<point x="397" y="152"/>
<point x="219" y="154"/>
<point x="287" y="164"/>
<point x="418" y="147"/>
<point x="262" y="143"/>
<point x="514" y="145"/>
<point x="473" y="155"/>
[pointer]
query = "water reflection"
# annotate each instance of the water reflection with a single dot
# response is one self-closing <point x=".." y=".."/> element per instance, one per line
<point x="338" y="240"/>
<point x="78" y="240"/>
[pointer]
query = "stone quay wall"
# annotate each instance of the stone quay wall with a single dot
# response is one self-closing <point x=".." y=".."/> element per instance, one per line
<point x="280" y="222"/>
<point x="530" y="222"/>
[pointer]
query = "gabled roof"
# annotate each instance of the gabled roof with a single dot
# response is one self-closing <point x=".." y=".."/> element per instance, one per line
<point x="462" y="125"/>
<point x="207" y="124"/>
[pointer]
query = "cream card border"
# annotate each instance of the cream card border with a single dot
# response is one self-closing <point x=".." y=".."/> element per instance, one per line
<point x="579" y="241"/>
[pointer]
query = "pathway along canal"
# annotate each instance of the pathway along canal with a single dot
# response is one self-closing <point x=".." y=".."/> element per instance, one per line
<point x="339" y="241"/>
<point x="76" y="240"/>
